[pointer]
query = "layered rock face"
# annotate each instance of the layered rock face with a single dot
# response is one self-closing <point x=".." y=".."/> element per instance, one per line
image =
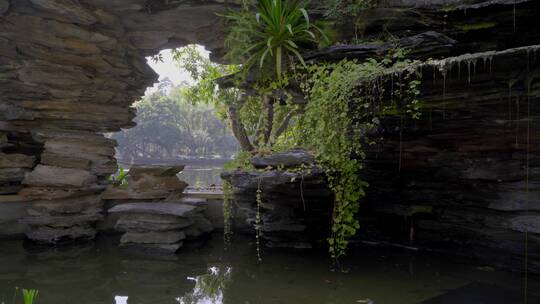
<point x="69" y="72"/>
<point x="161" y="227"/>
<point x="463" y="179"/>
<point x="295" y="205"/>
<point x="152" y="212"/>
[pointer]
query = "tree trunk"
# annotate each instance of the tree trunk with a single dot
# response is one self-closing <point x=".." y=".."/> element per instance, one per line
<point x="239" y="131"/>
<point x="268" y="123"/>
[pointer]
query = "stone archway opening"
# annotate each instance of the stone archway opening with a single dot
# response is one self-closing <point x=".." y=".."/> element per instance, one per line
<point x="173" y="127"/>
<point x="70" y="73"/>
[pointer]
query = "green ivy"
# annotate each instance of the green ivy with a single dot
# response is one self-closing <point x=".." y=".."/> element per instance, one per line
<point x="346" y="101"/>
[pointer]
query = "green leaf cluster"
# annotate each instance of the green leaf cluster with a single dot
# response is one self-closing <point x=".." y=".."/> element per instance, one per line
<point x="346" y="103"/>
<point x="272" y="37"/>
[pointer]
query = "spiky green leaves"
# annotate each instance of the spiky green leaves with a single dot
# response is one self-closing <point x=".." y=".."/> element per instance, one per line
<point x="273" y="37"/>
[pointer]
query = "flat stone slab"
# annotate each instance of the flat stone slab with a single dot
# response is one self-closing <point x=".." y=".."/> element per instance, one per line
<point x="137" y="171"/>
<point x="289" y="159"/>
<point x="153" y="237"/>
<point x="199" y="203"/>
<point x="180" y="210"/>
<point x="131" y="224"/>
<point x="65" y="221"/>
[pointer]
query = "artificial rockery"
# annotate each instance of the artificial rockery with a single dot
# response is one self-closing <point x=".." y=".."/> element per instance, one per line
<point x="456" y="171"/>
<point x="435" y="114"/>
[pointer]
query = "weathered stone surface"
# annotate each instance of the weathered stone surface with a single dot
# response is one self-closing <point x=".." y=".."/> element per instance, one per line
<point x="200" y="227"/>
<point x="139" y="171"/>
<point x="138" y="224"/>
<point x="4" y="6"/>
<point x="295" y="208"/>
<point x="61" y="221"/>
<point x="155" y="208"/>
<point x="48" y="176"/>
<point x="68" y="9"/>
<point x="529" y="223"/>
<point x="42" y="193"/>
<point x="83" y="205"/>
<point x="57" y="160"/>
<point x="162" y="237"/>
<point x="146" y="183"/>
<point x="428" y="43"/>
<point x="58" y="235"/>
<point x="16" y="161"/>
<point x="12" y="174"/>
<point x="199" y="203"/>
<point x="289" y="159"/>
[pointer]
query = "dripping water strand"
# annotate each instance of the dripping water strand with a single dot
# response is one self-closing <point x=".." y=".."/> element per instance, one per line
<point x="400" y="142"/>
<point x="526" y="283"/>
<point x="517" y="119"/>
<point x="514" y="16"/>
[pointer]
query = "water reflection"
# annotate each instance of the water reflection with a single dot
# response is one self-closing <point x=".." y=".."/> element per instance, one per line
<point x="102" y="274"/>
<point x="208" y="288"/>
<point x="121" y="300"/>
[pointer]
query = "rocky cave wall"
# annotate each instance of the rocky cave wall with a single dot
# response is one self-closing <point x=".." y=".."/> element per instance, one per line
<point x="463" y="179"/>
<point x="70" y="71"/>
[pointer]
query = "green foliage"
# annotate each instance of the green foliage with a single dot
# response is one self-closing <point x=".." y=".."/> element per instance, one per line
<point x="273" y="36"/>
<point x="170" y="125"/>
<point x="242" y="161"/>
<point x="120" y="178"/>
<point x="29" y="295"/>
<point x="205" y="73"/>
<point x="346" y="101"/>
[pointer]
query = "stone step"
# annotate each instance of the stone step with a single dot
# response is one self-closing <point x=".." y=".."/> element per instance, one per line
<point x="180" y="210"/>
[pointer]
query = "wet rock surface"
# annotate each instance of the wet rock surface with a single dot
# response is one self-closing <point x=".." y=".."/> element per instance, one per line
<point x="153" y="213"/>
<point x="296" y="205"/>
<point x="289" y="159"/>
<point x="159" y="227"/>
<point x="70" y="71"/>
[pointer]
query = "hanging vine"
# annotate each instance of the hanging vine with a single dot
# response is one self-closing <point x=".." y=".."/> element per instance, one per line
<point x="346" y="101"/>
<point x="227" y="212"/>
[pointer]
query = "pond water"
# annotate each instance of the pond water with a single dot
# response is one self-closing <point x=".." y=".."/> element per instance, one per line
<point x="208" y="274"/>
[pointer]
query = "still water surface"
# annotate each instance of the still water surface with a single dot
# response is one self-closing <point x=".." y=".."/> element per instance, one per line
<point x="208" y="274"/>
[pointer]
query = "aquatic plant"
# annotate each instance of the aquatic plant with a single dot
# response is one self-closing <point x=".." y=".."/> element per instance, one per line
<point x="29" y="295"/>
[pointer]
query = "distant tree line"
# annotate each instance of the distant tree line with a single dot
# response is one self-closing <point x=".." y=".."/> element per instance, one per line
<point x="170" y="126"/>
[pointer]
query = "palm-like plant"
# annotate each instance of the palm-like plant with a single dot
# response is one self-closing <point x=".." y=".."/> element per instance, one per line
<point x="276" y="31"/>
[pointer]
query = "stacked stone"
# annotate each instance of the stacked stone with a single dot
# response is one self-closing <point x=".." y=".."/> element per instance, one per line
<point x="159" y="227"/>
<point x="147" y="183"/>
<point x="152" y="212"/>
<point x="63" y="189"/>
<point x="296" y="204"/>
<point x="13" y="167"/>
